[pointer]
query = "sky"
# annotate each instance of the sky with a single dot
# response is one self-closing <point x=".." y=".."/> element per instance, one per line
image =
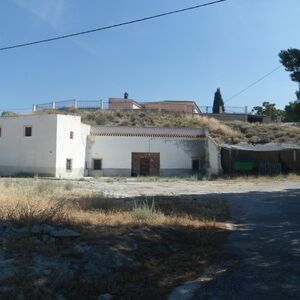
<point x="181" y="57"/>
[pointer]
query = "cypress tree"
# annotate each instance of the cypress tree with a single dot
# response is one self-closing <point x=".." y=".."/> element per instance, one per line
<point x="218" y="101"/>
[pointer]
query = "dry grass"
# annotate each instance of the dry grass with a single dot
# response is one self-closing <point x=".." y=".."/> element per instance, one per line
<point x="265" y="133"/>
<point x="258" y="179"/>
<point x="192" y="232"/>
<point x="29" y="205"/>
<point x="231" y="132"/>
<point x="218" y="130"/>
<point x="45" y="202"/>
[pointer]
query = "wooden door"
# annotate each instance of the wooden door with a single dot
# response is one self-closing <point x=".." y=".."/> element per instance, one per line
<point x="145" y="166"/>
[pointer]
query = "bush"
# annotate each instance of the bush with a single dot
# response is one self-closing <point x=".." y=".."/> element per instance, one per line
<point x="145" y="211"/>
<point x="69" y="186"/>
<point x="45" y="187"/>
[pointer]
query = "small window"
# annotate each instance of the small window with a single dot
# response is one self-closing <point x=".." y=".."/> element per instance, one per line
<point x="71" y="135"/>
<point x="97" y="164"/>
<point x="196" y="165"/>
<point x="28" y="131"/>
<point x="0" y="131"/>
<point x="69" y="165"/>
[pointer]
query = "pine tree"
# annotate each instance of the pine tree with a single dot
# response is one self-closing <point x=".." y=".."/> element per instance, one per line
<point x="218" y="102"/>
<point x="291" y="60"/>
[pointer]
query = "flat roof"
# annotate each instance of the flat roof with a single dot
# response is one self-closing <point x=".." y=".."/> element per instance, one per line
<point x="263" y="148"/>
<point x="124" y="100"/>
<point x="148" y="131"/>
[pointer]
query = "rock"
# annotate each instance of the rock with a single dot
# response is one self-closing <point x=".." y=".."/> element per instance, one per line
<point x="105" y="297"/>
<point x="185" y="291"/>
<point x="160" y="249"/>
<point x="7" y="268"/>
<point x="44" y="228"/>
<point x="102" y="261"/>
<point x="64" y="233"/>
<point x="82" y="248"/>
<point x="127" y="243"/>
<point x="46" y="239"/>
<point x="60" y="297"/>
<point x="56" y="269"/>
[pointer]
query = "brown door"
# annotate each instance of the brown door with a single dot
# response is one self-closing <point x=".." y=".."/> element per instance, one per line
<point x="145" y="164"/>
<point x="145" y="167"/>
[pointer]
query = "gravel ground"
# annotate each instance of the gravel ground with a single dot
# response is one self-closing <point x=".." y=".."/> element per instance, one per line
<point x="131" y="187"/>
<point x="267" y="242"/>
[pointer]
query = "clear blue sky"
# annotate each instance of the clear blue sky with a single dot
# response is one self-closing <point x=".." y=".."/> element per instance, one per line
<point x="186" y="56"/>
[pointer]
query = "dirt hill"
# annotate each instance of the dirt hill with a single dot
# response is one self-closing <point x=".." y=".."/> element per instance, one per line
<point x="223" y="132"/>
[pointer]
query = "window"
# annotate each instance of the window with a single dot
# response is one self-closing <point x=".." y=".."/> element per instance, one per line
<point x="28" y="131"/>
<point x="0" y="131"/>
<point x="196" y="165"/>
<point x="71" y="135"/>
<point x="97" y="164"/>
<point x="69" y="164"/>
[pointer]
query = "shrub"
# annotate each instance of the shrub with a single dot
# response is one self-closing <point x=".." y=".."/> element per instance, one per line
<point x="69" y="186"/>
<point x="45" y="187"/>
<point x="145" y="211"/>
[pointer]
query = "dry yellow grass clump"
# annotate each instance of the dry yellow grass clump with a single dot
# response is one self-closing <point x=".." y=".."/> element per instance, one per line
<point x="46" y="202"/>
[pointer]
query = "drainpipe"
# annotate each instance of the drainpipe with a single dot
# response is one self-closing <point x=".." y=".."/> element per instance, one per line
<point x="230" y="166"/>
<point x="149" y="145"/>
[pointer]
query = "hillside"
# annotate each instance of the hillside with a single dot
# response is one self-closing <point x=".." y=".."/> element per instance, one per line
<point x="223" y="132"/>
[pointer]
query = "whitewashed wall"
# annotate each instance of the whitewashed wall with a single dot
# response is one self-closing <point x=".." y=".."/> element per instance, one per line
<point x="35" y="154"/>
<point x="176" y="154"/>
<point x="214" y="158"/>
<point x="67" y="148"/>
<point x="50" y="145"/>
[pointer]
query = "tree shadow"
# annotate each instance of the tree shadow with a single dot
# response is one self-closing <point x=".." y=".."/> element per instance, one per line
<point x="266" y="239"/>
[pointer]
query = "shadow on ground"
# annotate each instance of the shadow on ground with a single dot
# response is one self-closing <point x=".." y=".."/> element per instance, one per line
<point x="267" y="241"/>
<point x="147" y="262"/>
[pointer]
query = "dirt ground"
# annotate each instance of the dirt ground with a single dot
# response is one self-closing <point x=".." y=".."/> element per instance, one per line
<point x="150" y="261"/>
<point x="60" y="241"/>
<point x="135" y="187"/>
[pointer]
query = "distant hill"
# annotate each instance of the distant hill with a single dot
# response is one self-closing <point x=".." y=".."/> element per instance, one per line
<point x="232" y="132"/>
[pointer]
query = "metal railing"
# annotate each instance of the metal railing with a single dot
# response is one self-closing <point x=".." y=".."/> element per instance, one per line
<point x="270" y="169"/>
<point x="227" y="109"/>
<point x="99" y="104"/>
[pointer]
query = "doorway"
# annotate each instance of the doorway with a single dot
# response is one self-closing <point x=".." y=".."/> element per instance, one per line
<point x="144" y="166"/>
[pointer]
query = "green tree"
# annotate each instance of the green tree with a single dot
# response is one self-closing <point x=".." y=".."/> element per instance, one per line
<point x="218" y="102"/>
<point x="268" y="109"/>
<point x="291" y="60"/>
<point x="292" y="112"/>
<point x="8" y="114"/>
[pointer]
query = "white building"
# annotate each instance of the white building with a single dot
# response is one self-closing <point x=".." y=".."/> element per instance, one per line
<point x="61" y="146"/>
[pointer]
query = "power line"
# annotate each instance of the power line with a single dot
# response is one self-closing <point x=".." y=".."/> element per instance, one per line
<point x="110" y="26"/>
<point x="254" y="83"/>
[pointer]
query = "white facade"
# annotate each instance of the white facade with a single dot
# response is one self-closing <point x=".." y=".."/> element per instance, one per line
<point x="67" y="148"/>
<point x="48" y="147"/>
<point x="177" y="148"/>
<point x="32" y="154"/>
<point x="63" y="147"/>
